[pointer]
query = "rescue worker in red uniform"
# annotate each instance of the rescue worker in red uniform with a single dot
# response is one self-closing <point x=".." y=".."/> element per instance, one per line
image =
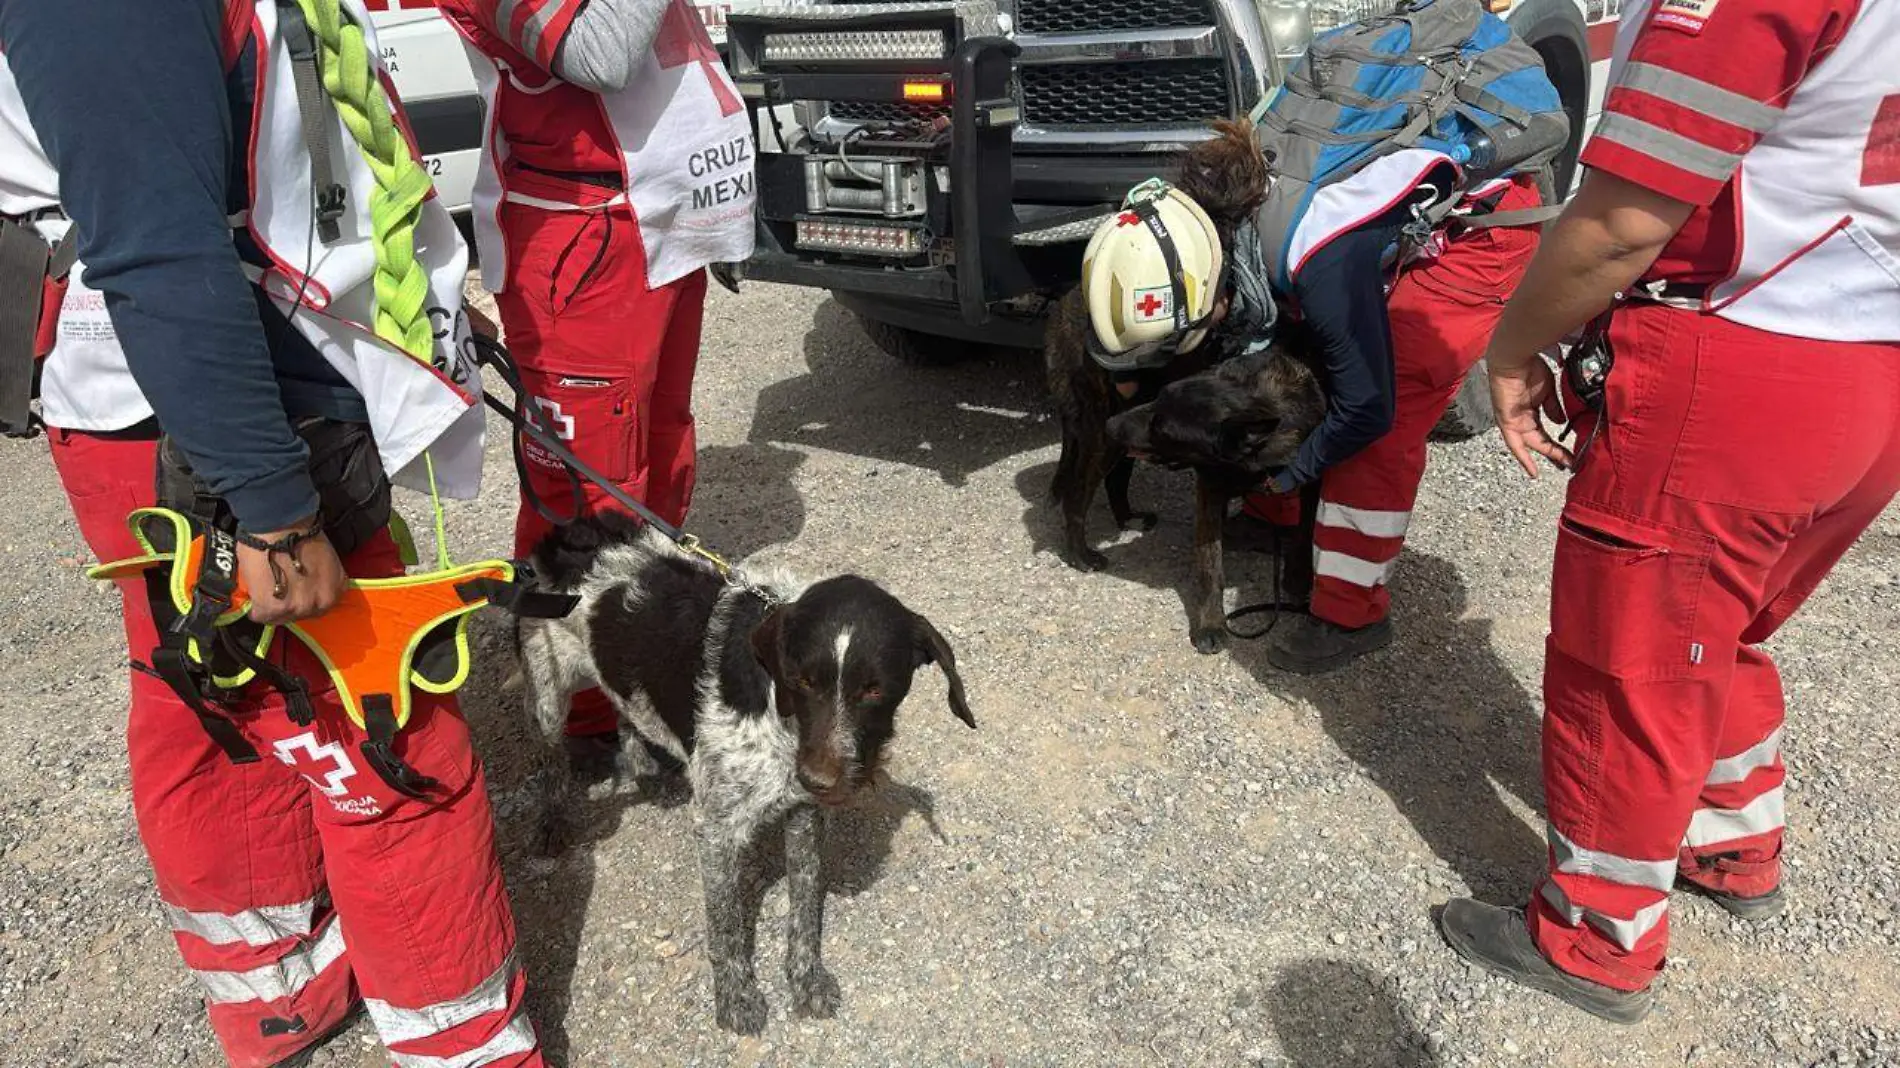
<point x="1744" y="196"/>
<point x="300" y="886"/>
<point x="1440" y="312"/>
<point x="617" y="167"/>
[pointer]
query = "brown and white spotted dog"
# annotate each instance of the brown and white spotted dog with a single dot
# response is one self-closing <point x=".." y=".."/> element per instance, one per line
<point x="779" y="708"/>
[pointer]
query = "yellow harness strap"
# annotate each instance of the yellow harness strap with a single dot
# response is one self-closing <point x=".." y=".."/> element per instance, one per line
<point x="382" y="637"/>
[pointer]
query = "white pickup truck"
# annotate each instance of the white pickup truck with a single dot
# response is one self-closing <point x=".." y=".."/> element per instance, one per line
<point x="426" y="58"/>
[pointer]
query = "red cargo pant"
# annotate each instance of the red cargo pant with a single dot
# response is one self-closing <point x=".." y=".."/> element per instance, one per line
<point x="1442" y="311"/>
<point x="1732" y="469"/>
<point x="298" y="885"/>
<point x="609" y="361"/>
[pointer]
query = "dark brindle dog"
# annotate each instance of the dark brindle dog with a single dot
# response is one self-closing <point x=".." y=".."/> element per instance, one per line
<point x="1232" y="419"/>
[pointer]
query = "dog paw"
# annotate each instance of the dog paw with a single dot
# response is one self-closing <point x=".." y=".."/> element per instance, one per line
<point x="741" y="1011"/>
<point x="1085" y="560"/>
<point x="1209" y="641"/>
<point x="1140" y="521"/>
<point x="815" y="996"/>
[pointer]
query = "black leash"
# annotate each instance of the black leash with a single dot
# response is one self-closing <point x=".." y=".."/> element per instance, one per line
<point x="1277" y="605"/>
<point x="528" y="422"/>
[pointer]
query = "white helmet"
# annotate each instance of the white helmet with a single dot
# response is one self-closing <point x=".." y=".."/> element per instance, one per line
<point x="1150" y="278"/>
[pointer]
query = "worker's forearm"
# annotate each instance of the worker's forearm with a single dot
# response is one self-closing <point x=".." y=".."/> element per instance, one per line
<point x="608" y="41"/>
<point x="1579" y="268"/>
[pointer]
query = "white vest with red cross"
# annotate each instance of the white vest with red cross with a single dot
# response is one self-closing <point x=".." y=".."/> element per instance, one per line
<point x="327" y="290"/>
<point x="1819" y="195"/>
<point x="686" y="155"/>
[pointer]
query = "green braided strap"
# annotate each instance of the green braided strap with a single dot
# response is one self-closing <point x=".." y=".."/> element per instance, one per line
<point x="402" y="286"/>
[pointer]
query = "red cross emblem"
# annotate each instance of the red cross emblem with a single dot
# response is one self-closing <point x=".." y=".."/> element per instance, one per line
<point x="682" y="40"/>
<point x="1148" y="305"/>
<point x="1128" y="218"/>
<point x="1881" y="164"/>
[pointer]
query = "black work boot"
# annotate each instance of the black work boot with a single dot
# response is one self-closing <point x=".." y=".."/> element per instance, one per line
<point x="1308" y="645"/>
<point x="1496" y="939"/>
<point x="1759" y="907"/>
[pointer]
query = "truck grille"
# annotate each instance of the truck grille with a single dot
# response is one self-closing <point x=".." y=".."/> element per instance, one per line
<point x="886" y="111"/>
<point x="1085" y="16"/>
<point x="1084" y="94"/>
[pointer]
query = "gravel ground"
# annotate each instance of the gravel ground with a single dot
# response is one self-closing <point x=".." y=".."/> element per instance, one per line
<point x="1144" y="856"/>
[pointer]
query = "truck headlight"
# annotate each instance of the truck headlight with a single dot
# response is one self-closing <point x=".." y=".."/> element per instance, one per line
<point x="1294" y="23"/>
<point x="856" y="46"/>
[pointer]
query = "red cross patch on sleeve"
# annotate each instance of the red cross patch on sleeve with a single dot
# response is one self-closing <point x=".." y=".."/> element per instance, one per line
<point x="1689" y="16"/>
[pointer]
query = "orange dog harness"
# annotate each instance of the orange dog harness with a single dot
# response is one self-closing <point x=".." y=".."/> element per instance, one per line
<point x="384" y="635"/>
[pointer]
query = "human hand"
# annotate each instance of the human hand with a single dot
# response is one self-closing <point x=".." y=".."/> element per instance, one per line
<point x="300" y="582"/>
<point x="1521" y="397"/>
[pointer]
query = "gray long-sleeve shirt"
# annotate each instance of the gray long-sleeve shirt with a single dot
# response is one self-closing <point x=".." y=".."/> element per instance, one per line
<point x="607" y="41"/>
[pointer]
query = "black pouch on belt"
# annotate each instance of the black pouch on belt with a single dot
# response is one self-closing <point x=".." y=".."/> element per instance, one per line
<point x="1588" y="364"/>
<point x="352" y="488"/>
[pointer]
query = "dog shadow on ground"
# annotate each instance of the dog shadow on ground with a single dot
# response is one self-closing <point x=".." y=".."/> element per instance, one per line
<point x="1338" y="1014"/>
<point x="1438" y="721"/>
<point x="954" y="420"/>
<point x="1160" y="559"/>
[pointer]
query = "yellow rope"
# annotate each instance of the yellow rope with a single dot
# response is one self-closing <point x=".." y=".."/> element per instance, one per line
<point x="350" y="79"/>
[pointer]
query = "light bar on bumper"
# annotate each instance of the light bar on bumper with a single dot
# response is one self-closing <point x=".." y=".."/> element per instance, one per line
<point x="857" y="46"/>
<point x="825" y="235"/>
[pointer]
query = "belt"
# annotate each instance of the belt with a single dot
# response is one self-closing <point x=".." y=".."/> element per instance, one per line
<point x="1692" y="296"/>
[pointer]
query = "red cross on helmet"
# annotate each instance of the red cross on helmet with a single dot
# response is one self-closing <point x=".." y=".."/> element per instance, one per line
<point x="1150" y="278"/>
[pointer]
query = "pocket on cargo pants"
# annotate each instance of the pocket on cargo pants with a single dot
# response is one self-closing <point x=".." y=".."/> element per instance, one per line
<point x="594" y="417"/>
<point x="1626" y="593"/>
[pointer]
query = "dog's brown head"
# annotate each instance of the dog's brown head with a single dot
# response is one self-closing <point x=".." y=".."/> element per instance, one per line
<point x="1227" y="175"/>
<point x="1236" y="423"/>
<point x="841" y="658"/>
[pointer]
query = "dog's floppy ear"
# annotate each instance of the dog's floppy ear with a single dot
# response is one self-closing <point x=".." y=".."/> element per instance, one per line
<point x="1132" y="429"/>
<point x="765" y="644"/>
<point x="933" y="649"/>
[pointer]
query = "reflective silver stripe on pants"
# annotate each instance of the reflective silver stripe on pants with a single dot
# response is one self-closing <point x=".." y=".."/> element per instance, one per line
<point x="254" y="927"/>
<point x="1573" y="859"/>
<point x="517" y="1038"/>
<point x="1762" y="754"/>
<point x="271" y="982"/>
<point x="1668" y="146"/>
<point x="1350" y="568"/>
<point x="1699" y="96"/>
<point x="1713" y="826"/>
<point x="1625" y="933"/>
<point x="1367" y="521"/>
<point x="397" y="1025"/>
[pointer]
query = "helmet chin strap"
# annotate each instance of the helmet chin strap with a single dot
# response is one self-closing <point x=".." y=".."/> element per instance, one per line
<point x="1150" y="216"/>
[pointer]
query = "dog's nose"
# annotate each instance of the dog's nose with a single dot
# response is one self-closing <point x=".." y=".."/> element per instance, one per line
<point x="818" y="781"/>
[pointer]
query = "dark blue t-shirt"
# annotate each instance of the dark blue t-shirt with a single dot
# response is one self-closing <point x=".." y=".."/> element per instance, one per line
<point x="149" y="135"/>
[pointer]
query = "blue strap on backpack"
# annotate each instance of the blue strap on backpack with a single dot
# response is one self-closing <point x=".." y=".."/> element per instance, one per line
<point x="1441" y="75"/>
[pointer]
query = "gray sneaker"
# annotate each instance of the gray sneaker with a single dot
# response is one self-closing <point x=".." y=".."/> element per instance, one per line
<point x="1307" y="645"/>
<point x="1497" y="940"/>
